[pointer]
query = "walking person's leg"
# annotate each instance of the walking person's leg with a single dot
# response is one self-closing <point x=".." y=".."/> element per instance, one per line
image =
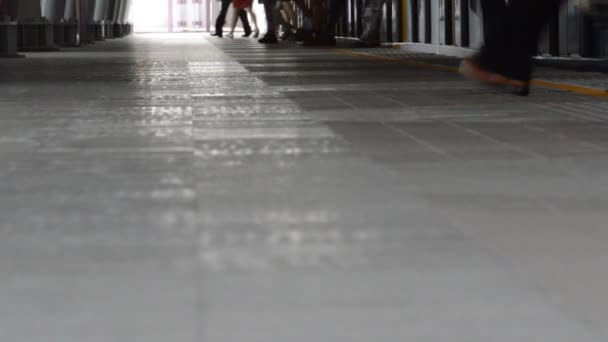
<point x="254" y="20"/>
<point x="270" y="37"/>
<point x="506" y="57"/>
<point x="372" y="19"/>
<point x="335" y="11"/>
<point x="493" y="14"/>
<point x="245" y="21"/>
<point x="221" y="17"/>
<point x="233" y="18"/>
<point x="290" y="18"/>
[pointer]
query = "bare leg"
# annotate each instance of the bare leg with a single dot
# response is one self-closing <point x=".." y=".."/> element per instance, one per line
<point x="254" y="21"/>
<point x="233" y="18"/>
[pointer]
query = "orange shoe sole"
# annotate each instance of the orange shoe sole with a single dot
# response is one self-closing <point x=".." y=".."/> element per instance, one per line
<point x="472" y="70"/>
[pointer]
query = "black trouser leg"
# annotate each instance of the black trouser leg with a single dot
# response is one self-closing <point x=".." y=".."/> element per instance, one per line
<point x="493" y="12"/>
<point x="221" y="17"/>
<point x="245" y="21"/>
<point x="513" y="39"/>
<point x="270" y="20"/>
<point x="335" y="11"/>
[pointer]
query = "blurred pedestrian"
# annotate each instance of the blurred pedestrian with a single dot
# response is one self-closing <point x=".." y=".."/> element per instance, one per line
<point x="512" y="31"/>
<point x="246" y="5"/>
<point x="221" y="20"/>
<point x="372" y="23"/>
<point x="271" y="35"/>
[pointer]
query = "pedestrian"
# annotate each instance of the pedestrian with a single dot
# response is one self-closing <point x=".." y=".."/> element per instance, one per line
<point x="372" y="22"/>
<point x="271" y="36"/>
<point x="240" y="5"/>
<point x="512" y="31"/>
<point x="288" y="15"/>
<point x="221" y="20"/>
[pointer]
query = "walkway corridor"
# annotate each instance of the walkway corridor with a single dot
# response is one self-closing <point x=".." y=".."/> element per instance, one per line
<point x="182" y="188"/>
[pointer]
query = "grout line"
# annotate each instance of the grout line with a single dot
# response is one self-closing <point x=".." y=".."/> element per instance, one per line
<point x="543" y="83"/>
<point x="421" y="142"/>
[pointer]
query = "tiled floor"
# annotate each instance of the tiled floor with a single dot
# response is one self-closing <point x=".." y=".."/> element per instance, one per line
<point x="179" y="188"/>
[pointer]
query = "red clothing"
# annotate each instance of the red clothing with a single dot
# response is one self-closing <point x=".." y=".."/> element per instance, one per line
<point x="242" y="3"/>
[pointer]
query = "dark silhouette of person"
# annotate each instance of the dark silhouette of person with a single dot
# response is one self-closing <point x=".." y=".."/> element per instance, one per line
<point x="512" y="31"/>
<point x="221" y="20"/>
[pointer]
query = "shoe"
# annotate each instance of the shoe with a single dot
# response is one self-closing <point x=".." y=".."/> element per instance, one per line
<point x="470" y="68"/>
<point x="319" y="39"/>
<point x="286" y="35"/>
<point x="365" y="45"/>
<point x="230" y="35"/>
<point x="299" y="35"/>
<point x="269" y="38"/>
<point x="256" y="33"/>
<point x="247" y="34"/>
<point x="217" y="34"/>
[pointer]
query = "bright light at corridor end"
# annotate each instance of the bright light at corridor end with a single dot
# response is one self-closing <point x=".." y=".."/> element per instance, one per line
<point x="182" y="16"/>
<point x="150" y="15"/>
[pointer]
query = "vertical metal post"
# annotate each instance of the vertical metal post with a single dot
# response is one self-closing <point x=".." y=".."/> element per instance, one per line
<point x="208" y="15"/>
<point x="428" y="25"/>
<point x="8" y="31"/>
<point x="123" y="11"/>
<point x="554" y="32"/>
<point x="415" y="11"/>
<point x="359" y="6"/>
<point x="449" y="22"/>
<point x="389" y="20"/>
<point x="464" y="23"/>
<point x="170" y="15"/>
<point x="404" y="23"/>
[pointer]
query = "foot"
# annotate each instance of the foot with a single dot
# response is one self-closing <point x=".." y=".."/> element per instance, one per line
<point x="256" y="33"/>
<point x="269" y="38"/>
<point x="217" y="34"/>
<point x="365" y="45"/>
<point x="299" y="35"/>
<point x="286" y="35"/>
<point x="322" y="39"/>
<point x="230" y="35"/>
<point x="470" y="68"/>
<point x="247" y="34"/>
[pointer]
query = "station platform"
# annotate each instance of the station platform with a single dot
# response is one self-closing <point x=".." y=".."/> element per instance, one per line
<point x="179" y="187"/>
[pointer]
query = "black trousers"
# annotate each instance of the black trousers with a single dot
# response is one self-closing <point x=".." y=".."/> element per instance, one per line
<point x="221" y="18"/>
<point x="270" y="13"/>
<point x="511" y="34"/>
<point x="336" y="8"/>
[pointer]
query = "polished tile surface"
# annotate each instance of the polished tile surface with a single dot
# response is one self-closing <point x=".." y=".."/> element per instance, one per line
<point x="179" y="188"/>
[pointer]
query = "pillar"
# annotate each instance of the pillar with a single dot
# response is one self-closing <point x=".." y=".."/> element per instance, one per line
<point x="89" y="18"/>
<point x="100" y="10"/>
<point x="34" y="32"/>
<point x="85" y="12"/>
<point x="53" y="11"/>
<point x="99" y="17"/>
<point x="70" y="10"/>
<point x="118" y="28"/>
<point x="8" y="30"/>
<point x="71" y="37"/>
<point x="3" y="9"/>
<point x="29" y="10"/>
<point x="122" y="15"/>
<point x="109" y="15"/>
<point x="12" y="8"/>
<point x="125" y="17"/>
<point x="117" y="5"/>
